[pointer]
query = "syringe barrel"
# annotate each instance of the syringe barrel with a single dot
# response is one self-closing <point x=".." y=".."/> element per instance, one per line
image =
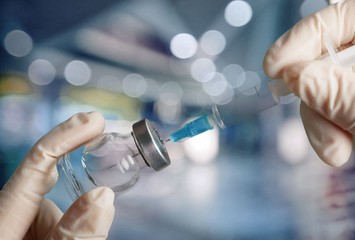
<point x="244" y="104"/>
<point x="267" y="94"/>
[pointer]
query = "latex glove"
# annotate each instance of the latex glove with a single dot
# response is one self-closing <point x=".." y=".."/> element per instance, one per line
<point x="23" y="211"/>
<point x="327" y="91"/>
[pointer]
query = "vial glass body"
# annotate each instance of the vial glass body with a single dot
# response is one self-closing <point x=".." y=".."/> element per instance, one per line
<point x="113" y="160"/>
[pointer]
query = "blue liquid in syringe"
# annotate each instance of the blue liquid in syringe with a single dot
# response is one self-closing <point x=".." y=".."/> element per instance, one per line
<point x="192" y="129"/>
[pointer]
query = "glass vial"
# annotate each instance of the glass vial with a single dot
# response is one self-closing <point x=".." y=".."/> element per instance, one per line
<point x="114" y="160"/>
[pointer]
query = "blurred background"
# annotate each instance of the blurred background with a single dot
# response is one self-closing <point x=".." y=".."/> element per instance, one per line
<point x="149" y="59"/>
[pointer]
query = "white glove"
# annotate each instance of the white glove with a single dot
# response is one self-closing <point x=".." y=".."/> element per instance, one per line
<point x="23" y="211"/>
<point x="327" y="90"/>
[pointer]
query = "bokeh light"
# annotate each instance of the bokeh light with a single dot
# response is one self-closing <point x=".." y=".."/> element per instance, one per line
<point x="77" y="73"/>
<point x="215" y="84"/>
<point x="134" y="85"/>
<point x="251" y="84"/>
<point x="183" y="45"/>
<point x="217" y="87"/>
<point x="173" y="88"/>
<point x="12" y="114"/>
<point x="201" y="183"/>
<point x="213" y="42"/>
<point x="238" y="13"/>
<point x="201" y="67"/>
<point x="292" y="143"/>
<point x="225" y="97"/>
<point x="202" y="148"/>
<point x="168" y="107"/>
<point x="169" y="104"/>
<point x="18" y="43"/>
<point x="234" y="74"/>
<point x="41" y="72"/>
<point x="152" y="91"/>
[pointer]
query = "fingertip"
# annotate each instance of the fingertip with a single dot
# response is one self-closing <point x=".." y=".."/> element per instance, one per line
<point x="90" y="119"/>
<point x="96" y="115"/>
<point x="270" y="63"/>
<point x="102" y="196"/>
<point x="333" y="146"/>
<point x="336" y="154"/>
<point x="98" y="120"/>
<point x="335" y="159"/>
<point x="90" y="215"/>
<point x="68" y="135"/>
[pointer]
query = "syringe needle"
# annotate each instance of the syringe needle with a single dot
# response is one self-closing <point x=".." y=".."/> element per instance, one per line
<point x="191" y="129"/>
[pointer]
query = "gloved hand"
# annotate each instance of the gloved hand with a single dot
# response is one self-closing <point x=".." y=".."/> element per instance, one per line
<point x="23" y="211"/>
<point x="327" y="91"/>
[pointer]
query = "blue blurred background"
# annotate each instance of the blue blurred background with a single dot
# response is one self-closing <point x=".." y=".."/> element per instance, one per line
<point x="146" y="59"/>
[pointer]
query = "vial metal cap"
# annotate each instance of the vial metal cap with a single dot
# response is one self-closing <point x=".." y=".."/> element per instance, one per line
<point x="150" y="145"/>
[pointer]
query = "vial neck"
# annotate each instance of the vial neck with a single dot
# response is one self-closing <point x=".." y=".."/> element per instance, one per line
<point x="139" y="159"/>
<point x="136" y="153"/>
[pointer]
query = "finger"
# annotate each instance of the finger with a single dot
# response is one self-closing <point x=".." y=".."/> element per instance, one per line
<point x="36" y="175"/>
<point x="90" y="217"/>
<point x="46" y="220"/>
<point x="331" y="143"/>
<point x="305" y="41"/>
<point x="327" y="89"/>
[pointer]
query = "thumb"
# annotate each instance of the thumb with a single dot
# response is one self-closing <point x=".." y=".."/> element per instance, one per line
<point x="46" y="220"/>
<point x="90" y="217"/>
<point x="327" y="92"/>
<point x="331" y="143"/>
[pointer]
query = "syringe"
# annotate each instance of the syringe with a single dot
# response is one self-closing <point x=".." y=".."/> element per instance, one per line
<point x="254" y="100"/>
<point x="243" y="105"/>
